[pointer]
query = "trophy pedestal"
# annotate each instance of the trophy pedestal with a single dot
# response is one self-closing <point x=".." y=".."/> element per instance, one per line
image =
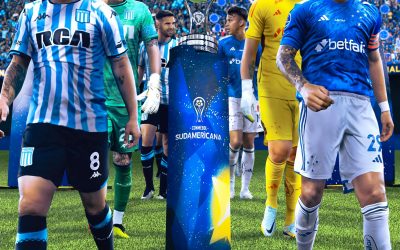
<point x="200" y="42"/>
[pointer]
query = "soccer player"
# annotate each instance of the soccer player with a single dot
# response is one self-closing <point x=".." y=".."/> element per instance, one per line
<point x="341" y="70"/>
<point x="166" y="27"/>
<point x="68" y="42"/>
<point x="278" y="108"/>
<point x="138" y="26"/>
<point x="241" y="130"/>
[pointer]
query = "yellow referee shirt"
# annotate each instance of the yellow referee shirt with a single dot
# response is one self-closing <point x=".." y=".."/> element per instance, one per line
<point x="267" y="20"/>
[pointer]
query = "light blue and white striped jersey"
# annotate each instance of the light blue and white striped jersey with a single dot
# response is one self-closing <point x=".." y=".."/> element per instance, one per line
<point x="164" y="53"/>
<point x="68" y="44"/>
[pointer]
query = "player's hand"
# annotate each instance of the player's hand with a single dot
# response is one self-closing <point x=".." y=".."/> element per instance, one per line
<point x="387" y="126"/>
<point x="4" y="110"/>
<point x="153" y="94"/>
<point x="248" y="100"/>
<point x="132" y="134"/>
<point x="316" y="97"/>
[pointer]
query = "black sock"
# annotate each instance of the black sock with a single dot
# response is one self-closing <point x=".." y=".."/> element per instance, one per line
<point x="101" y="226"/>
<point x="163" y="175"/>
<point x="147" y="157"/>
<point x="158" y="155"/>
<point x="32" y="233"/>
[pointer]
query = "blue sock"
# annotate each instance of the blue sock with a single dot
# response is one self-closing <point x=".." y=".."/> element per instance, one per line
<point x="32" y="233"/>
<point x="101" y="226"/>
<point x="163" y="176"/>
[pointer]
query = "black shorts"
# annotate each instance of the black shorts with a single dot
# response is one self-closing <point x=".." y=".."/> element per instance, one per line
<point x="159" y="119"/>
<point x="49" y="150"/>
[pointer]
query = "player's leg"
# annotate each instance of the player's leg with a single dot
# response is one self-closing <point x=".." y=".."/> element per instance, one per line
<point x="361" y="158"/>
<point x="315" y="160"/>
<point x="122" y="188"/>
<point x="235" y="139"/>
<point x="148" y="130"/>
<point x="88" y="172"/>
<point x="370" y="192"/>
<point x="158" y="152"/>
<point x="248" y="158"/>
<point x="307" y="217"/>
<point x="163" y="115"/>
<point x="277" y="119"/>
<point x="292" y="179"/>
<point x="41" y="170"/>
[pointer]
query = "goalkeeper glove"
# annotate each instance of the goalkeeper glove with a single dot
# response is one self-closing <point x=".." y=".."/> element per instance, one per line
<point x="248" y="100"/>
<point x="153" y="92"/>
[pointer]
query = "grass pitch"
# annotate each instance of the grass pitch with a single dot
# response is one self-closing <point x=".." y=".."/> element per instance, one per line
<point x="340" y="218"/>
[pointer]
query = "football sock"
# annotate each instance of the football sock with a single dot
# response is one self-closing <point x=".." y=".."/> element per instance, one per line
<point x="101" y="226"/>
<point x="122" y="186"/>
<point x="32" y="233"/>
<point x="273" y="177"/>
<point x="292" y="190"/>
<point x="306" y="225"/>
<point x="376" y="226"/>
<point x="247" y="167"/>
<point x="147" y="156"/>
<point x="158" y="155"/>
<point x="163" y="175"/>
<point x="233" y="161"/>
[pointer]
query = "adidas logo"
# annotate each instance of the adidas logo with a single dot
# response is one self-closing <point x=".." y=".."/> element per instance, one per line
<point x="323" y="18"/>
<point x="232" y="49"/>
<point x="278" y="12"/>
<point x="378" y="159"/>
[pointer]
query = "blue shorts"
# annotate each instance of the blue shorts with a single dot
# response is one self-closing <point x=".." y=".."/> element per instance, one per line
<point x="50" y="150"/>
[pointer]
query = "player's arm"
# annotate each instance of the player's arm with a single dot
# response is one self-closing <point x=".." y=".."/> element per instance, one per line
<point x="154" y="56"/>
<point x="12" y="84"/>
<point x="247" y="69"/>
<point x="316" y="97"/>
<point x="125" y="80"/>
<point x="378" y="84"/>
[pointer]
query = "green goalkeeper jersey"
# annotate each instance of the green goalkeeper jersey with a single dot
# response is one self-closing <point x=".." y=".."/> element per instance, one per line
<point x="138" y="26"/>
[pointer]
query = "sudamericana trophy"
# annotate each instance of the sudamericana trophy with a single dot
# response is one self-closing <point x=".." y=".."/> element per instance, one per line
<point x="198" y="204"/>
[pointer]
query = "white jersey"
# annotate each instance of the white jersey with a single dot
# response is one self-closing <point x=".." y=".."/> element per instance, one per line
<point x="68" y="44"/>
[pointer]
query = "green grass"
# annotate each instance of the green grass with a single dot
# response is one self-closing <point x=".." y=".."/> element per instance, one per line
<point x="340" y="218"/>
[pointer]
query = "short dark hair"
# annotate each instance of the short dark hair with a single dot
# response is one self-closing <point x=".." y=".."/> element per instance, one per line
<point x="163" y="13"/>
<point x="242" y="12"/>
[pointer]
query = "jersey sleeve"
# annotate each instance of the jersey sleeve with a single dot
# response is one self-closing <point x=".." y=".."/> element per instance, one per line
<point x="295" y="27"/>
<point x="148" y="30"/>
<point x="373" y="43"/>
<point x="112" y="32"/>
<point x="257" y="15"/>
<point x="221" y="49"/>
<point x="21" y="43"/>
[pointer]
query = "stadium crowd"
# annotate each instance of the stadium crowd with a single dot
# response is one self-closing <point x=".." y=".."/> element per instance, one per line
<point x="10" y="10"/>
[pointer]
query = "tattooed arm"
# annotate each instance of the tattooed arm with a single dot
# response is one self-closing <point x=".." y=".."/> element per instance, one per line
<point x="125" y="80"/>
<point x="12" y="83"/>
<point x="154" y="56"/>
<point x="315" y="97"/>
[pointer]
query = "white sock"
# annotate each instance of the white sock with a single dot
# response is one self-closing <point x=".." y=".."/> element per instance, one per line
<point x="233" y="161"/>
<point x="376" y="226"/>
<point x="247" y="167"/>
<point x="306" y="225"/>
<point x="117" y="217"/>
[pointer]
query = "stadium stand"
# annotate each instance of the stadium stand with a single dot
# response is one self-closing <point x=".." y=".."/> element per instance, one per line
<point x="10" y="10"/>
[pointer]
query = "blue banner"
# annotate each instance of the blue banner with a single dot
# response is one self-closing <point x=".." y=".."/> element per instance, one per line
<point x="198" y="204"/>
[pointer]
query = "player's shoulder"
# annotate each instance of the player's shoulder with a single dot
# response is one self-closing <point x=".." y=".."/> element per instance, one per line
<point x="101" y="8"/>
<point x="371" y="8"/>
<point x="31" y="5"/>
<point x="224" y="40"/>
<point x="138" y="4"/>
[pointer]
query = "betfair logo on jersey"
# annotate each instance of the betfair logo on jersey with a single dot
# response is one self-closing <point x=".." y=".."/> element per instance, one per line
<point x="63" y="36"/>
<point x="235" y="61"/>
<point x="349" y="45"/>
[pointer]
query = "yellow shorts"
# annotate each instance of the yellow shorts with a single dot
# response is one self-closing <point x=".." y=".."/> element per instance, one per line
<point x="280" y="118"/>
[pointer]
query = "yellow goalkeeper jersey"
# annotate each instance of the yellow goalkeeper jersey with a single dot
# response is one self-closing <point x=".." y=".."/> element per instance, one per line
<point x="267" y="20"/>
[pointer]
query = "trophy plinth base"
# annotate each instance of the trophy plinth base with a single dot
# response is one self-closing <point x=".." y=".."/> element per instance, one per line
<point x="200" y="42"/>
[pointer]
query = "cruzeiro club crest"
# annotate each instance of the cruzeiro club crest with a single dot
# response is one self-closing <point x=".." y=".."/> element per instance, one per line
<point x="199" y="104"/>
<point x="199" y="17"/>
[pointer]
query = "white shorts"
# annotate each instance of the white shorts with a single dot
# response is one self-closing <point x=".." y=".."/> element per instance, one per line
<point x="348" y="127"/>
<point x="237" y="120"/>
